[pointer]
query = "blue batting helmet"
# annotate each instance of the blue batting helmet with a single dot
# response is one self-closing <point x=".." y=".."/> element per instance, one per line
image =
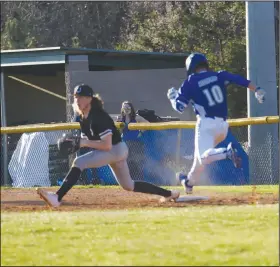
<point x="193" y="60"/>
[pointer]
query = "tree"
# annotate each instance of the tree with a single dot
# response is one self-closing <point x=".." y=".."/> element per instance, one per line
<point x="59" y="23"/>
<point x="216" y="29"/>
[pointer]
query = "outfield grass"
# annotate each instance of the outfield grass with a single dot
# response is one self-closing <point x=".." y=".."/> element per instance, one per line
<point x="205" y="236"/>
<point x="218" y="189"/>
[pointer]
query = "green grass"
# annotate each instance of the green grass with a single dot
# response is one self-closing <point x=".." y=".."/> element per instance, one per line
<point x="218" y="189"/>
<point x="240" y="189"/>
<point x="205" y="236"/>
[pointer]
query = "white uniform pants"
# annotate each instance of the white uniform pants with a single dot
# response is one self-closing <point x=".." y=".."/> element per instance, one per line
<point x="208" y="134"/>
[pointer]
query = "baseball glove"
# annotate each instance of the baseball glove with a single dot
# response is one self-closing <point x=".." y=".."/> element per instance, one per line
<point x="68" y="144"/>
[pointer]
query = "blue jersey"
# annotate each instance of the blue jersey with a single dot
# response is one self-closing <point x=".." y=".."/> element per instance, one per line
<point x="206" y="91"/>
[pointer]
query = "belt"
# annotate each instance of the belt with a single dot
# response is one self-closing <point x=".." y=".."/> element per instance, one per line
<point x="214" y="117"/>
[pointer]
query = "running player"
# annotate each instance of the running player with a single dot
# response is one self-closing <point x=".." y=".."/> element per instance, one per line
<point x="206" y="91"/>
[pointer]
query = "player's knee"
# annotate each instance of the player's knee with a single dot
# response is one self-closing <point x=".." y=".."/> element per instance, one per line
<point x="128" y="186"/>
<point x="199" y="168"/>
<point x="78" y="163"/>
<point x="205" y="157"/>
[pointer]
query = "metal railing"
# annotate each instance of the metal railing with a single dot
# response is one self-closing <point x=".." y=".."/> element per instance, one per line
<point x="156" y="152"/>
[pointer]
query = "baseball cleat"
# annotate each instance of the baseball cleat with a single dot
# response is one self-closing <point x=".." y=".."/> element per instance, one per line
<point x="185" y="182"/>
<point x="174" y="195"/>
<point x="233" y="155"/>
<point x="49" y="197"/>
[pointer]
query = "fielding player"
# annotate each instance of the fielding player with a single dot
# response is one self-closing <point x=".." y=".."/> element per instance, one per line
<point x="98" y="131"/>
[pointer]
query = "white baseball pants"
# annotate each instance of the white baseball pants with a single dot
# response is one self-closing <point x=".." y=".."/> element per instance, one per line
<point x="208" y="134"/>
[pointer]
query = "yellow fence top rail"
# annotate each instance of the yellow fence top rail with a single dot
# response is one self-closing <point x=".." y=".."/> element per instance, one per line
<point x="135" y="126"/>
<point x="45" y="127"/>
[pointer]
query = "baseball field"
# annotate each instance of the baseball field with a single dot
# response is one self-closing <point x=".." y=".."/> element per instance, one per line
<point x="109" y="226"/>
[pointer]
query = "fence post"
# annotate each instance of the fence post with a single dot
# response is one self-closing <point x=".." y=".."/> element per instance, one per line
<point x="4" y="124"/>
<point x="178" y="150"/>
<point x="261" y="69"/>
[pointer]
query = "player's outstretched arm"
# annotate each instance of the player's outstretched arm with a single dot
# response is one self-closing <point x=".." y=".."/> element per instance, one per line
<point x="240" y="80"/>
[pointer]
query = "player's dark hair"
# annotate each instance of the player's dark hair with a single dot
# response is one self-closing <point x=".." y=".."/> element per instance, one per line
<point x="97" y="102"/>
<point x="132" y="114"/>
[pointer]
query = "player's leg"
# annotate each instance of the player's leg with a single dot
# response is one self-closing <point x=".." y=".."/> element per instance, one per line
<point x="189" y="180"/>
<point x="232" y="154"/>
<point x="93" y="159"/>
<point x="211" y="138"/>
<point x="217" y="132"/>
<point x="204" y="142"/>
<point x="214" y="154"/>
<point x="208" y="134"/>
<point x="195" y="173"/>
<point x="122" y="175"/>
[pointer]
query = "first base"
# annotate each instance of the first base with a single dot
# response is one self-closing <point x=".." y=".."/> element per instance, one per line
<point x="190" y="198"/>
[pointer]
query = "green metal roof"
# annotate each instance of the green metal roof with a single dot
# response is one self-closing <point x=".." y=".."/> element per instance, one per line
<point x="97" y="57"/>
<point x="38" y="56"/>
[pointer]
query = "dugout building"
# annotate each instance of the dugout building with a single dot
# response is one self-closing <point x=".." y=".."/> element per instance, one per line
<point x="38" y="83"/>
<point x="37" y="87"/>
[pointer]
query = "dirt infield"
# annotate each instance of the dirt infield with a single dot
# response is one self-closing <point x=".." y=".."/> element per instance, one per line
<point x="115" y="198"/>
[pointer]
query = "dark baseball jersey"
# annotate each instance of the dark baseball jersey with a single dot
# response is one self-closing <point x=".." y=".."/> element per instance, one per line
<point x="98" y="125"/>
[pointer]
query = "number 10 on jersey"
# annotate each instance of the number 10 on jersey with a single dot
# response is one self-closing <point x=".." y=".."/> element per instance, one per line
<point x="214" y="95"/>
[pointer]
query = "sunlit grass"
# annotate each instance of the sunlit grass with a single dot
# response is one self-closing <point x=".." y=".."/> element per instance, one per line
<point x="201" y="236"/>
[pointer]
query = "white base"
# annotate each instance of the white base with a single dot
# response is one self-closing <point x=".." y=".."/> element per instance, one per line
<point x="190" y="198"/>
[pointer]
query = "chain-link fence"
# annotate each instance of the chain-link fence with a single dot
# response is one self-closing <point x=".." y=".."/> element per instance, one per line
<point x="154" y="156"/>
